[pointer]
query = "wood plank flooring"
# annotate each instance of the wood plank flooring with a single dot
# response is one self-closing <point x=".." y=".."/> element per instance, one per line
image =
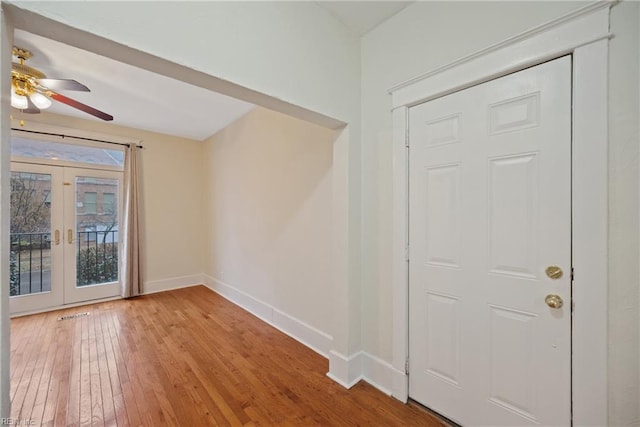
<point x="186" y="358"/>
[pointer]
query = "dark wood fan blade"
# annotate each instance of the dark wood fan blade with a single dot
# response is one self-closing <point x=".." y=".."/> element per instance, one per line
<point x="31" y="107"/>
<point x="63" y="84"/>
<point x="80" y="106"/>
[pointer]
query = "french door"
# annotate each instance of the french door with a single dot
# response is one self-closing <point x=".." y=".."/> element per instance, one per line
<point x="64" y="235"/>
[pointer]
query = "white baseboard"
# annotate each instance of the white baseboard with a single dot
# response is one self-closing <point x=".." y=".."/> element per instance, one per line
<point x="348" y="371"/>
<point x="318" y="341"/>
<point x="381" y="374"/>
<point x="172" y="283"/>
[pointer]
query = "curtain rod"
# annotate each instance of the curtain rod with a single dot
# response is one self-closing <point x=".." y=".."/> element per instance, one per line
<point x="76" y="137"/>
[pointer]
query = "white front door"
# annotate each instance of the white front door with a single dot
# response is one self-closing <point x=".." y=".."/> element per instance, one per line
<point x="490" y="230"/>
<point x="64" y="242"/>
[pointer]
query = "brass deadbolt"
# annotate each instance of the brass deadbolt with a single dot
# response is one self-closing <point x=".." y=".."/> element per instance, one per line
<point x="554" y="272"/>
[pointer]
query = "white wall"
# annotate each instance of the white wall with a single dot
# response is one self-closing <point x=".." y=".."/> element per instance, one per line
<point x="624" y="232"/>
<point x="269" y="211"/>
<point x="173" y="220"/>
<point x="6" y="41"/>
<point x="430" y="34"/>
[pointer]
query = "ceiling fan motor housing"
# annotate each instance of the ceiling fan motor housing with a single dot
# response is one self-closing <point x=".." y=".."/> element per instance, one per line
<point x="26" y="71"/>
<point x="23" y="76"/>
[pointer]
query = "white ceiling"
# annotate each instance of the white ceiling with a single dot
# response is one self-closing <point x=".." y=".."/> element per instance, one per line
<point x="141" y="99"/>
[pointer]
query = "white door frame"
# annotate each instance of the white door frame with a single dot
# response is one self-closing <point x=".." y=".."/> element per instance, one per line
<point x="585" y="35"/>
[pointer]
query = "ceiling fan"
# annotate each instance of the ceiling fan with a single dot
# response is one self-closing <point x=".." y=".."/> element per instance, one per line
<point x="32" y="91"/>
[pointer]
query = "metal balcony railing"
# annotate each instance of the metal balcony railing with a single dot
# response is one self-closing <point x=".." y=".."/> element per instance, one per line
<point x="30" y="260"/>
<point x="29" y="263"/>
<point x="96" y="257"/>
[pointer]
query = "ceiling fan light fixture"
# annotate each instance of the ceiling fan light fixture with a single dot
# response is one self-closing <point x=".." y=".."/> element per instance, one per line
<point x="18" y="101"/>
<point x="41" y="101"/>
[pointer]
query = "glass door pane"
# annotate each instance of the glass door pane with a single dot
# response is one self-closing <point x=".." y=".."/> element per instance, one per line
<point x="96" y="230"/>
<point x="30" y="233"/>
<point x="93" y="226"/>
<point x="35" y="204"/>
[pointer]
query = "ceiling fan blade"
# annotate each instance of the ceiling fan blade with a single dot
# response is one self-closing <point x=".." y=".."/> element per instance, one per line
<point x="31" y="107"/>
<point x="63" y="84"/>
<point x="80" y="106"/>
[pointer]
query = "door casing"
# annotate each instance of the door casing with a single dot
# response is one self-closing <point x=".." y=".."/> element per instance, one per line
<point x="585" y="35"/>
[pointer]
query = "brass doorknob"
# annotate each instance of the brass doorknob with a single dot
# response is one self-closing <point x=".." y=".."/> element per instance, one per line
<point x="554" y="301"/>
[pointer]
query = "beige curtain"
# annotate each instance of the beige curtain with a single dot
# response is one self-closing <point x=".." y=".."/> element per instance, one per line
<point x="131" y="264"/>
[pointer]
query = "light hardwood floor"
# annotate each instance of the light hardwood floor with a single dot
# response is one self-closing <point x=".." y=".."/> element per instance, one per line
<point x="187" y="358"/>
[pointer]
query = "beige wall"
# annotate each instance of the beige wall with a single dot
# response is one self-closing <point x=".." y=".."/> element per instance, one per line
<point x="269" y="210"/>
<point x="430" y="34"/>
<point x="172" y="176"/>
